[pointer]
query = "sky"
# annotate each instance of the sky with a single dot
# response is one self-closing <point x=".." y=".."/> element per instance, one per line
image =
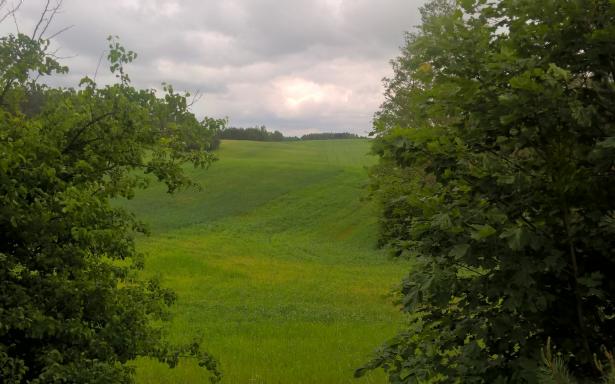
<point x="298" y="66"/>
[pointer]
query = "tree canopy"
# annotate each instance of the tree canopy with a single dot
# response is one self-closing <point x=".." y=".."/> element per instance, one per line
<point x="72" y="307"/>
<point x="497" y="176"/>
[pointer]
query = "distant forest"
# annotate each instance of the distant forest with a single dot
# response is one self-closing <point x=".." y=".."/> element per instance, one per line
<point x="330" y="136"/>
<point x="262" y="134"/>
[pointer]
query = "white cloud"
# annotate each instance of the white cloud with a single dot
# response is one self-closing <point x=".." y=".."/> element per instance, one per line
<point x="302" y="96"/>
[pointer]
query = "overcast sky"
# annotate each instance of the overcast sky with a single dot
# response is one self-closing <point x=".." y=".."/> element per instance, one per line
<point x="297" y="66"/>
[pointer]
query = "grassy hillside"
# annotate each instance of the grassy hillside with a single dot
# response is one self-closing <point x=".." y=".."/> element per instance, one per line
<point x="274" y="263"/>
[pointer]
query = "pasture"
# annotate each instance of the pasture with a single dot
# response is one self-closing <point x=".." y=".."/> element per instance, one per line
<point x="274" y="263"/>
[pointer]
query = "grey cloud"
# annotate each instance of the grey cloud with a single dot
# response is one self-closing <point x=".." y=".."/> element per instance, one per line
<point x="297" y="66"/>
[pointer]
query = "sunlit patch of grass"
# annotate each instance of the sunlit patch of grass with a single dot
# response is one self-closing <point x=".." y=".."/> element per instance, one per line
<point x="274" y="264"/>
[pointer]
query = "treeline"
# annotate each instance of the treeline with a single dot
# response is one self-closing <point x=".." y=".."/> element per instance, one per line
<point x="330" y="136"/>
<point x="255" y="133"/>
<point x="262" y="134"/>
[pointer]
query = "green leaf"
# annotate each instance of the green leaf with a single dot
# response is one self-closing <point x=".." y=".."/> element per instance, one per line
<point x="516" y="237"/>
<point x="442" y="221"/>
<point x="607" y="143"/>
<point x="459" y="251"/>
<point x="482" y="232"/>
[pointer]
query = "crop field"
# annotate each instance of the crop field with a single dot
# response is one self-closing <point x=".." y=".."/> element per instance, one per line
<point x="275" y="264"/>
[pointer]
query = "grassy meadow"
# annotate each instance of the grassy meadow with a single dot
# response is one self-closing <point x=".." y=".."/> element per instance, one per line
<point x="274" y="264"/>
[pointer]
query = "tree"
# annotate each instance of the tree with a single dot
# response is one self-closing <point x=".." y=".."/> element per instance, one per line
<point x="496" y="176"/>
<point x="72" y="307"/>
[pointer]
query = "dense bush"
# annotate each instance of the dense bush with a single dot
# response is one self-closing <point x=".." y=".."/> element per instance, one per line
<point x="72" y="308"/>
<point x="497" y="177"/>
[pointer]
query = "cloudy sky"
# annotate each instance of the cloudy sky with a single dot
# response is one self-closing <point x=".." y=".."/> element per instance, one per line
<point x="297" y="66"/>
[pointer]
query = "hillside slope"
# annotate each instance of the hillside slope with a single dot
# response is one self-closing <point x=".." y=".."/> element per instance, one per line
<point x="274" y="263"/>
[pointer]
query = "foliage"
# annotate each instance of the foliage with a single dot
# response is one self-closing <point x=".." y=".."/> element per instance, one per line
<point x="497" y="146"/>
<point x="204" y="136"/>
<point x="606" y="368"/>
<point x="72" y="308"/>
<point x="555" y="369"/>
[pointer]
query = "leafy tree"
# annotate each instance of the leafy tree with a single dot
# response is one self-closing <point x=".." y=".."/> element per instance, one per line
<point x="497" y="176"/>
<point x="72" y="308"/>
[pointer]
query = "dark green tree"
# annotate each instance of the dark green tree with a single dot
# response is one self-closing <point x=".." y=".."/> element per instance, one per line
<point x="497" y="177"/>
<point x="72" y="308"/>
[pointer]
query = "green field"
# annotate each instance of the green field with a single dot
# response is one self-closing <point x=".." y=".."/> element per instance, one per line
<point x="274" y="264"/>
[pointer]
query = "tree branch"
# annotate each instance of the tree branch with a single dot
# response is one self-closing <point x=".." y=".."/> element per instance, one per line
<point x="98" y="65"/>
<point x="81" y="130"/>
<point x="60" y="31"/>
<point x="40" y="21"/>
<point x="11" y="11"/>
<point x="45" y="21"/>
<point x="195" y="98"/>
